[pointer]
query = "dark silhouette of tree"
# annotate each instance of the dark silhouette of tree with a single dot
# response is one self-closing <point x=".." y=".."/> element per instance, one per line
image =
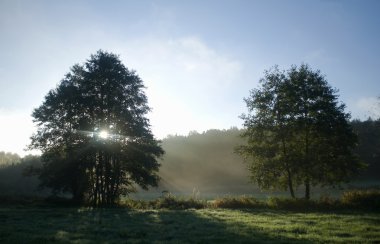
<point x="368" y="147"/>
<point x="94" y="134"/>
<point x="297" y="133"/>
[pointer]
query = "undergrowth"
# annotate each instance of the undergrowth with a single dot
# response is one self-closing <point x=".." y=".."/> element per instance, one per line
<point x="350" y="200"/>
<point x="368" y="200"/>
<point x="236" y="202"/>
<point x="166" y="202"/>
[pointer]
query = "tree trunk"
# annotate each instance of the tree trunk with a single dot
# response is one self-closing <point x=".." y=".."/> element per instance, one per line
<point x="290" y="182"/>
<point x="290" y="185"/>
<point x="77" y="198"/>
<point x="307" y="189"/>
<point x="77" y="191"/>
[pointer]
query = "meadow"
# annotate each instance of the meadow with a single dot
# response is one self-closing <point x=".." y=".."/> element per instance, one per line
<point x="48" y="224"/>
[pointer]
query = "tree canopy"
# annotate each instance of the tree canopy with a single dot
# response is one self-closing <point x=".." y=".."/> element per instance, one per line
<point x="94" y="135"/>
<point x="297" y="132"/>
<point x="369" y="147"/>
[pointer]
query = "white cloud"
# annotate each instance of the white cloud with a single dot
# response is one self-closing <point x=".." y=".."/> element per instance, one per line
<point x="368" y="107"/>
<point x="187" y="60"/>
<point x="187" y="81"/>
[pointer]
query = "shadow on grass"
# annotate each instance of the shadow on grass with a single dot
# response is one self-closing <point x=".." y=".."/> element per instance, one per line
<point x="48" y="225"/>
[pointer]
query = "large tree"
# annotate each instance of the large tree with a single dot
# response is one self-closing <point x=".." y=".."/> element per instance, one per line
<point x="94" y="135"/>
<point x="297" y="132"/>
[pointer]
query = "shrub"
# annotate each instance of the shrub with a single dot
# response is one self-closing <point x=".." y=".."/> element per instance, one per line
<point x="171" y="202"/>
<point x="166" y="202"/>
<point x="134" y="204"/>
<point x="324" y="203"/>
<point x="366" y="199"/>
<point x="289" y="203"/>
<point x="236" y="202"/>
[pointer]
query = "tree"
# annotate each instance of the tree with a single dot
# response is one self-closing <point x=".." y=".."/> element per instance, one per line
<point x="94" y="135"/>
<point x="368" y="149"/>
<point x="297" y="133"/>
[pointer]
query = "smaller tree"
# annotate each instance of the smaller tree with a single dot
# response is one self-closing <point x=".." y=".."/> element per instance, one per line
<point x="297" y="133"/>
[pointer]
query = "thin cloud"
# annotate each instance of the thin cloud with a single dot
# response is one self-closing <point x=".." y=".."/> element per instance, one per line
<point x="369" y="107"/>
<point x="186" y="82"/>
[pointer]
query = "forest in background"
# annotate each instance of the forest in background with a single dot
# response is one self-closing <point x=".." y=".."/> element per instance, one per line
<point x="204" y="162"/>
<point x="199" y="162"/>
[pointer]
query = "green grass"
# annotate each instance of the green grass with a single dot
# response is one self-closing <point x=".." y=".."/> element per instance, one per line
<point x="121" y="225"/>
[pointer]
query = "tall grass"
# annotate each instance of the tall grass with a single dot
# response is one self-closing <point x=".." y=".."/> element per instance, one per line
<point x="353" y="199"/>
<point x="236" y="202"/>
<point x="366" y="199"/>
<point x="166" y="202"/>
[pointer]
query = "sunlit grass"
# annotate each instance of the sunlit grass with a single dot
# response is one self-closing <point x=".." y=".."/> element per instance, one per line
<point x="120" y="225"/>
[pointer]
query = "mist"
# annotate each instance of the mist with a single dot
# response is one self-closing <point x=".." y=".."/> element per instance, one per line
<point x="205" y="162"/>
<point x="199" y="163"/>
<point x="14" y="181"/>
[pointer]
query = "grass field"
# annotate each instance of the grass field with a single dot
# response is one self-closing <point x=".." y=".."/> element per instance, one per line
<point x="121" y="225"/>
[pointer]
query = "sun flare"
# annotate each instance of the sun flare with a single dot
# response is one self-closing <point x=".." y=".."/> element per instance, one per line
<point x="103" y="134"/>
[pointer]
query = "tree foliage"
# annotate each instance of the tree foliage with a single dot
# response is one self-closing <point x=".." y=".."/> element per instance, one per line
<point x="368" y="147"/>
<point x="297" y="132"/>
<point x="94" y="134"/>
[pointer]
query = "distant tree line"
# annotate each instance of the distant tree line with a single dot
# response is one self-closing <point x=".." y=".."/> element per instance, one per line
<point x="8" y="158"/>
<point x="204" y="161"/>
<point x="13" y="180"/>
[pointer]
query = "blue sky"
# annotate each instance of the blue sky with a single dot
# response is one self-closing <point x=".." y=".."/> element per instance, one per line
<point x="198" y="59"/>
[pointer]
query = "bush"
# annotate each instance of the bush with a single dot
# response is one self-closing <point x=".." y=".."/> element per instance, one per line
<point x="289" y="203"/>
<point x="236" y="202"/>
<point x="171" y="202"/>
<point x="166" y="202"/>
<point x="324" y="203"/>
<point x="364" y="199"/>
<point x="134" y="204"/>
